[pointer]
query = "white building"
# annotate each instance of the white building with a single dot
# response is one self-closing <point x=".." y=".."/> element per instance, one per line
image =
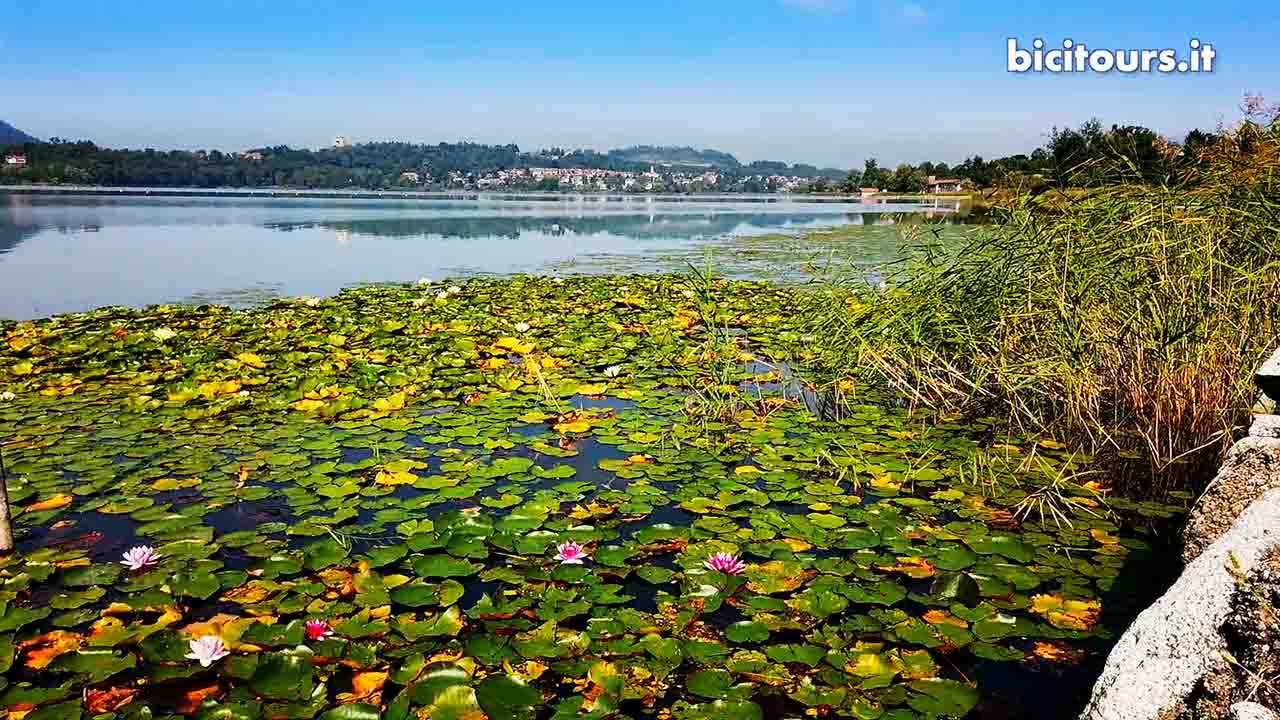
<point x="342" y="142"/>
<point x="943" y="185"/>
<point x="15" y="160"/>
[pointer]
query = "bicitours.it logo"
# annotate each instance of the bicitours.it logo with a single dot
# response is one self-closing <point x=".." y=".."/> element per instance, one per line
<point x="1076" y="57"/>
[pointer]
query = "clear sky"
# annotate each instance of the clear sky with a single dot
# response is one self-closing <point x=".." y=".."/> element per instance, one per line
<point x="829" y="82"/>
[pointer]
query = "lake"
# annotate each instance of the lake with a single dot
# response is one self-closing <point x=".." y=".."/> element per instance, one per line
<point x="72" y="252"/>
<point x="529" y="484"/>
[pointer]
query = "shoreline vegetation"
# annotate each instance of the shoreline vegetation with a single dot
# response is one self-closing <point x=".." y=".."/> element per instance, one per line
<point x="1125" y="319"/>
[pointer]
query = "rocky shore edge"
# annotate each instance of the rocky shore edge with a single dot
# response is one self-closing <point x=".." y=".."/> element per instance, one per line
<point x="1209" y="648"/>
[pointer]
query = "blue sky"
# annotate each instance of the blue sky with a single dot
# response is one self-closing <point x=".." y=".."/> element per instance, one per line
<point x="829" y="82"/>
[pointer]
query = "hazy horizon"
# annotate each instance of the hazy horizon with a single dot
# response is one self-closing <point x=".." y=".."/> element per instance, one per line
<point x="822" y="82"/>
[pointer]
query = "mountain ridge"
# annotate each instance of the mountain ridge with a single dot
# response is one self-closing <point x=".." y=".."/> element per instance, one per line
<point x="675" y="155"/>
<point x="10" y="135"/>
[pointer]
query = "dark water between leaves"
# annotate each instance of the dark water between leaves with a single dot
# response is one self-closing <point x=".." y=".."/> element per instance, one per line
<point x="68" y="253"/>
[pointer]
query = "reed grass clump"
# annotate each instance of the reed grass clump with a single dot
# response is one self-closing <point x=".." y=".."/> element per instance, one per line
<point x="1126" y="319"/>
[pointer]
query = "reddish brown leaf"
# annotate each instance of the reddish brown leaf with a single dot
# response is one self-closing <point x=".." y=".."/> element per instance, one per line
<point x="191" y="699"/>
<point x="365" y="686"/>
<point x="109" y="699"/>
<point x="46" y="648"/>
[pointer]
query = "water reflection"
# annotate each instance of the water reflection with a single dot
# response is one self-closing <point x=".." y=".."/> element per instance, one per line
<point x="69" y="253"/>
<point x="636" y="226"/>
<point x="19" y="222"/>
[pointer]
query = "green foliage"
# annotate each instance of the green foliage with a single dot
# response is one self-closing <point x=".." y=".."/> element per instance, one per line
<point x="1128" y="318"/>
<point x="401" y="462"/>
<point x="368" y="165"/>
<point x="375" y="166"/>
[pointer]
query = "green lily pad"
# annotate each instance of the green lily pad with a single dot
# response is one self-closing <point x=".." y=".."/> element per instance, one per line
<point x="442" y="566"/>
<point x="504" y="697"/>
<point x="942" y="697"/>
<point x="747" y="631"/>
<point x="284" y="675"/>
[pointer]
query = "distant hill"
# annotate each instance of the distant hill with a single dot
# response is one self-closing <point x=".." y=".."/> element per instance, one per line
<point x="691" y="157"/>
<point x="10" y="135"/>
<point x="675" y="156"/>
<point x="380" y="165"/>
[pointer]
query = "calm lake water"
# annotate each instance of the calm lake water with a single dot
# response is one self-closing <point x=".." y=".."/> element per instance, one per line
<point x="67" y="253"/>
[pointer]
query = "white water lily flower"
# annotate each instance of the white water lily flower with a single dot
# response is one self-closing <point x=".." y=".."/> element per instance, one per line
<point x="6" y="396"/>
<point x="163" y="334"/>
<point x="419" y="302"/>
<point x="207" y="650"/>
<point x="442" y="295"/>
<point x="424" y="281"/>
<point x="523" y="327"/>
<point x="454" y="289"/>
<point x="312" y="301"/>
<point x="613" y="371"/>
<point x="688" y="293"/>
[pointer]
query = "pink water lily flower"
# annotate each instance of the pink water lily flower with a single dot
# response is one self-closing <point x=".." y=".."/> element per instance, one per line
<point x="317" y="630"/>
<point x="207" y="650"/>
<point x="141" y="557"/>
<point x="726" y="563"/>
<point x="570" y="553"/>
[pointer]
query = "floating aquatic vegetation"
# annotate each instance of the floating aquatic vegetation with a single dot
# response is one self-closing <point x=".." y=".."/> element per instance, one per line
<point x="358" y="509"/>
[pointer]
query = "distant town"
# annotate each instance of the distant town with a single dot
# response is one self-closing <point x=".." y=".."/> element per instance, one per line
<point x="655" y="179"/>
<point x="665" y="177"/>
<point x="1072" y="156"/>
<point x="686" y="176"/>
<point x="349" y="165"/>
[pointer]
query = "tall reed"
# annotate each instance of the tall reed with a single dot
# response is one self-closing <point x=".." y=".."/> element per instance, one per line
<point x="1126" y="319"/>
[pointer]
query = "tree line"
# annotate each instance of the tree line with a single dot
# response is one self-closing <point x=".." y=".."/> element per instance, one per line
<point x="377" y="165"/>
<point x="1087" y="156"/>
<point x="1077" y="157"/>
<point x="372" y="165"/>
